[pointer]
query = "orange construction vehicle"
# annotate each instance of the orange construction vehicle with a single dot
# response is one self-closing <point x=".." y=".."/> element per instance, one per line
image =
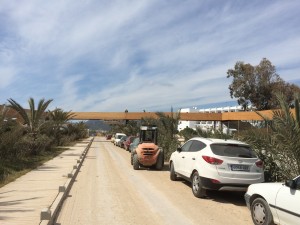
<point x="147" y="153"/>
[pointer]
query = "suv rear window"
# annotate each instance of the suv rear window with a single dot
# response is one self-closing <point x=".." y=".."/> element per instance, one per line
<point x="233" y="150"/>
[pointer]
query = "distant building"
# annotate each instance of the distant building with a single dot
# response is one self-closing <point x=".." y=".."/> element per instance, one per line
<point x="184" y="123"/>
<point x="208" y="125"/>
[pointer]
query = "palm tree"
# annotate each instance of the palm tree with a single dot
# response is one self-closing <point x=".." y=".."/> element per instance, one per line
<point x="168" y="128"/>
<point x="279" y="146"/>
<point x="58" y="119"/>
<point x="3" y="113"/>
<point x="286" y="137"/>
<point x="32" y="118"/>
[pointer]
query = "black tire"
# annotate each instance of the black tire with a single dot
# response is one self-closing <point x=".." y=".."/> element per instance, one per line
<point x="261" y="213"/>
<point x="135" y="162"/>
<point x="131" y="159"/>
<point x="160" y="161"/>
<point x="197" y="188"/>
<point x="173" y="175"/>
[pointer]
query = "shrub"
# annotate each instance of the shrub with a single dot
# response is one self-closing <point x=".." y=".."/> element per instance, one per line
<point x="7" y="142"/>
<point x="279" y="145"/>
<point x="29" y="145"/>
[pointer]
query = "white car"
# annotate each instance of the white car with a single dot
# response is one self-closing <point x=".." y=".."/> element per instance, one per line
<point x="277" y="203"/>
<point x="216" y="164"/>
<point x="117" y="137"/>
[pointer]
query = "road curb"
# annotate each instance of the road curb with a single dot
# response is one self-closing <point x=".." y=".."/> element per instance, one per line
<point x="48" y="215"/>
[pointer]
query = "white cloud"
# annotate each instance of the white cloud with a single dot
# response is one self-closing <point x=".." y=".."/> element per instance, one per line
<point x="143" y="54"/>
<point x="7" y="76"/>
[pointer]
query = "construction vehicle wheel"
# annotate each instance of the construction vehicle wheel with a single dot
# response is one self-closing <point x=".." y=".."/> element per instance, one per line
<point x="160" y="161"/>
<point x="135" y="162"/>
<point x="131" y="159"/>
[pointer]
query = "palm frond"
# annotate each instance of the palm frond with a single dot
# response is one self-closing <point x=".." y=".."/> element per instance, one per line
<point x="19" y="109"/>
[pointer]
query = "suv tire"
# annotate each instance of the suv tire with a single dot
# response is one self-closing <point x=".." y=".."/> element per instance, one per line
<point x="197" y="188"/>
<point x="173" y="175"/>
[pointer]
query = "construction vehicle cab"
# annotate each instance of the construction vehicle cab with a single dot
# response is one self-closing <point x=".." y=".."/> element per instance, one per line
<point x="148" y="153"/>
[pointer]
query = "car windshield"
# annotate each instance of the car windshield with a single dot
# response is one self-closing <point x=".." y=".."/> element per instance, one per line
<point x="233" y="150"/>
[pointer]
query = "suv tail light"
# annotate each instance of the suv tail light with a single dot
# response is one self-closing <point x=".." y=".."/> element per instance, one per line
<point x="259" y="164"/>
<point x="212" y="160"/>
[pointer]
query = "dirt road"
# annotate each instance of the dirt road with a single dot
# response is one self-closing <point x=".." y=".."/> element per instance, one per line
<point x="108" y="191"/>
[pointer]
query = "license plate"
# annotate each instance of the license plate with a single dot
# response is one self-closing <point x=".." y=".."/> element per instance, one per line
<point x="239" y="168"/>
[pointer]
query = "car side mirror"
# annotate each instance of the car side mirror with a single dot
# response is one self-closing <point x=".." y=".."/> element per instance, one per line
<point x="291" y="183"/>
<point x="179" y="149"/>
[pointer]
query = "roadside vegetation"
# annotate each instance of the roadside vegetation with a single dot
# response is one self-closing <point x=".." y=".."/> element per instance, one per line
<point x="34" y="137"/>
<point x="277" y="143"/>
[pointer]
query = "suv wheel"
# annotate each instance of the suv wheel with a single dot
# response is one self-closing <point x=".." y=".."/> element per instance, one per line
<point x="135" y="162"/>
<point x="261" y="213"/>
<point x="197" y="188"/>
<point x="173" y="175"/>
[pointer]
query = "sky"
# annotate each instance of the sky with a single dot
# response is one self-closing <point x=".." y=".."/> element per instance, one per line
<point x="112" y="55"/>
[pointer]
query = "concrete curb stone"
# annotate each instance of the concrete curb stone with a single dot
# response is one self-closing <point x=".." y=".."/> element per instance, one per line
<point x="49" y="214"/>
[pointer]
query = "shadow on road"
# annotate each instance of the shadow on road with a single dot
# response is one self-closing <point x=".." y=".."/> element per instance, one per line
<point x="226" y="197"/>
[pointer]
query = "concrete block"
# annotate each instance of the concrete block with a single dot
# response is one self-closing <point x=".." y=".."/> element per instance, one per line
<point x="61" y="189"/>
<point x="57" y="203"/>
<point x="46" y="214"/>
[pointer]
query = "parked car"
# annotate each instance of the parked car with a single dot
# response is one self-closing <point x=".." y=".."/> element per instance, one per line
<point x="134" y="144"/>
<point x="117" y="137"/>
<point x="127" y="142"/>
<point x="120" y="143"/>
<point x="108" y="136"/>
<point x="216" y="164"/>
<point x="277" y="203"/>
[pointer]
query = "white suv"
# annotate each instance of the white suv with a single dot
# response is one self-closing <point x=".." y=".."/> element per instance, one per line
<point x="216" y="164"/>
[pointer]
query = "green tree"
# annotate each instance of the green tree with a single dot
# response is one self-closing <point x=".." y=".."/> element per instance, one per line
<point x="279" y="145"/>
<point x="257" y="85"/>
<point x="33" y="118"/>
<point x="188" y="133"/>
<point x="58" y="123"/>
<point x="3" y="119"/>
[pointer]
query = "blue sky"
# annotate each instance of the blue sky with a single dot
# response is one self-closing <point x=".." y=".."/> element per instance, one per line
<point x="112" y="55"/>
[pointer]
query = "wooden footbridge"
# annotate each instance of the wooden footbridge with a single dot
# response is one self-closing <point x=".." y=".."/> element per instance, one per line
<point x="191" y="116"/>
<point x="187" y="116"/>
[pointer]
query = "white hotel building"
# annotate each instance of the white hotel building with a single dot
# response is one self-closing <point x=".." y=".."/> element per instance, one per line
<point x="207" y="125"/>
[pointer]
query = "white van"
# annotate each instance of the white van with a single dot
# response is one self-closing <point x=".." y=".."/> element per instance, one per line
<point x="117" y="137"/>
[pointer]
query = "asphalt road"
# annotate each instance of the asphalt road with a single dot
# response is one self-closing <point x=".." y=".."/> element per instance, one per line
<point x="108" y="191"/>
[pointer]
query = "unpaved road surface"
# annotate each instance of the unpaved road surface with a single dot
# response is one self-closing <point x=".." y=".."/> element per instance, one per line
<point x="108" y="191"/>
